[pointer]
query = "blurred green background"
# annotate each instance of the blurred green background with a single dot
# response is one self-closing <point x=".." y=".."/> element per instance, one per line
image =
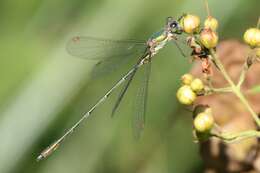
<point x="44" y="90"/>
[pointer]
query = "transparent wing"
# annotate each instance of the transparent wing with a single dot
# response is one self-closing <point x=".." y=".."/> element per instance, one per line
<point x="100" y="49"/>
<point x="180" y="49"/>
<point x="111" y="64"/>
<point x="141" y="100"/>
<point x="110" y="54"/>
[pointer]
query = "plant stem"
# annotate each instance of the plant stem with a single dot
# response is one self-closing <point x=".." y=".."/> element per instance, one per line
<point x="210" y="90"/>
<point x="232" y="137"/>
<point x="236" y="90"/>
<point x="245" y="68"/>
<point x="207" y="7"/>
<point x="222" y="90"/>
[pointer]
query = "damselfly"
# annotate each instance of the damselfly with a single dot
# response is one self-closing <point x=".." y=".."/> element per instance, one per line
<point x="100" y="49"/>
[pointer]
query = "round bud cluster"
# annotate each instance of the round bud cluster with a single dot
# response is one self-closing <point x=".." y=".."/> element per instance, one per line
<point x="252" y="37"/>
<point x="187" y="93"/>
<point x="208" y="38"/>
<point x="190" y="23"/>
<point x="211" y="23"/>
<point x="204" y="121"/>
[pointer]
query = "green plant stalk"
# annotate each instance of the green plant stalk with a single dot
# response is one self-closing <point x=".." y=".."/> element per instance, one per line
<point x="245" y="68"/>
<point x="233" y="137"/>
<point x="222" y="90"/>
<point x="211" y="90"/>
<point x="236" y="90"/>
<point x="242" y="77"/>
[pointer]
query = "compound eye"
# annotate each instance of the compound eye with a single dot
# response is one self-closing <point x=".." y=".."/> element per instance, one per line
<point x="173" y="24"/>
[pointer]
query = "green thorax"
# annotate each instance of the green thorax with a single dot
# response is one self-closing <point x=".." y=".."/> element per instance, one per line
<point x="159" y="40"/>
<point x="159" y="36"/>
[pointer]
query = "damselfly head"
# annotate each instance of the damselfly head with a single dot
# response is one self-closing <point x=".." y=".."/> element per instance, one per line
<point x="170" y="22"/>
<point x="173" y="26"/>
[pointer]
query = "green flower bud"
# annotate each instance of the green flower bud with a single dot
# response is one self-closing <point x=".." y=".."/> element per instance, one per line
<point x="203" y="122"/>
<point x="190" y="23"/>
<point x="209" y="38"/>
<point x="185" y="95"/>
<point x="252" y="37"/>
<point x="197" y="85"/>
<point x="186" y="79"/>
<point x="211" y="23"/>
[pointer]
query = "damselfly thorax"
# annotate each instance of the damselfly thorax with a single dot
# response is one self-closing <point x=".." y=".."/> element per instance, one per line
<point x="158" y="40"/>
